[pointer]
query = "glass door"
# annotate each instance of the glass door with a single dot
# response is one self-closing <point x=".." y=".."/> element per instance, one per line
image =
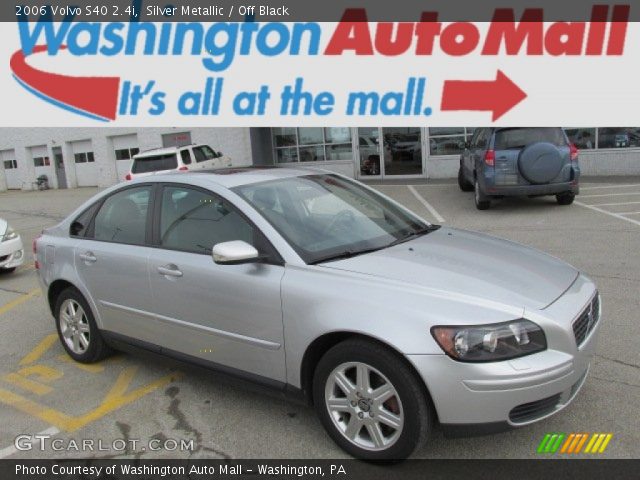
<point x="369" y="154"/>
<point x="389" y="152"/>
<point x="402" y="151"/>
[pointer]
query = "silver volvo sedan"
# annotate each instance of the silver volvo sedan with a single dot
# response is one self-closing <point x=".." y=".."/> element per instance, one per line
<point x="321" y="287"/>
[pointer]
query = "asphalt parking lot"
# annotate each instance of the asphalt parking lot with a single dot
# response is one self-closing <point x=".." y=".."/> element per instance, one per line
<point x="140" y="397"/>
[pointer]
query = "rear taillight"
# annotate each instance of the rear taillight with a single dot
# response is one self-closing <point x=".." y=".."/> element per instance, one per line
<point x="34" y="248"/>
<point x="573" y="152"/>
<point x="128" y="177"/>
<point x="183" y="169"/>
<point x="490" y="158"/>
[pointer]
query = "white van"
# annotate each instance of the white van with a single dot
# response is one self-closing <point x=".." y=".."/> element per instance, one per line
<point x="184" y="158"/>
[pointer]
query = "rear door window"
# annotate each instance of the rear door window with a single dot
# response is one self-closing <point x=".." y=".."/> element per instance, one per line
<point x="155" y="163"/>
<point x="122" y="218"/>
<point x="516" y="138"/>
<point x="186" y="157"/>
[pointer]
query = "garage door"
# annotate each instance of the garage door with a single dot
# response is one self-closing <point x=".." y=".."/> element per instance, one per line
<point x="125" y="147"/>
<point x="85" y="162"/>
<point x="176" y="139"/>
<point x="12" y="174"/>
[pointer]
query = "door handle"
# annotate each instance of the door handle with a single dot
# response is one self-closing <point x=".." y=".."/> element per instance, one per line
<point x="169" y="271"/>
<point x="88" y="257"/>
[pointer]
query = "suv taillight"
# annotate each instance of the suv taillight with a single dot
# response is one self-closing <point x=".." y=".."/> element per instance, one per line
<point x="34" y="248"/>
<point x="490" y="158"/>
<point x="183" y="169"/>
<point x="573" y="152"/>
<point x="128" y="176"/>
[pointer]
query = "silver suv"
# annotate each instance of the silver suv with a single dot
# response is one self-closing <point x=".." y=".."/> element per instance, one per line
<point x="321" y="287"/>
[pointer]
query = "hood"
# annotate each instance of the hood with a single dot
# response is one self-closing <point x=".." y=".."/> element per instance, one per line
<point x="472" y="264"/>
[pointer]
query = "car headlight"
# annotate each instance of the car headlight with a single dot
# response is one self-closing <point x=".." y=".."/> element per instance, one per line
<point x="10" y="234"/>
<point x="490" y="343"/>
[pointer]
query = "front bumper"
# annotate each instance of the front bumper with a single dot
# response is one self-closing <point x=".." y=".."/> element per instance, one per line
<point x="11" y="253"/>
<point x="490" y="397"/>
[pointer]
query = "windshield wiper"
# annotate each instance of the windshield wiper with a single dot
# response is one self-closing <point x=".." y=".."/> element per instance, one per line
<point x="355" y="253"/>
<point x="413" y="234"/>
<point x="346" y="254"/>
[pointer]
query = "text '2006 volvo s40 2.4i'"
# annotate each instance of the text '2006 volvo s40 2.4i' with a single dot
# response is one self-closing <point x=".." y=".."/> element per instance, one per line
<point x="321" y="287"/>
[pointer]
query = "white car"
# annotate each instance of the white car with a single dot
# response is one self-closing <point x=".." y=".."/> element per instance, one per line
<point x="184" y="158"/>
<point x="11" y="250"/>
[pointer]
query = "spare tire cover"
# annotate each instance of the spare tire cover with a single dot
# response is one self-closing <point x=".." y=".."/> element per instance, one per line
<point x="540" y="162"/>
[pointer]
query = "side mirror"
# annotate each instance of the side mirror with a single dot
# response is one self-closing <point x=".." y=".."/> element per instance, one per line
<point x="235" y="252"/>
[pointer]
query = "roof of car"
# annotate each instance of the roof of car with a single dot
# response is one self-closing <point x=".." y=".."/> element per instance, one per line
<point x="161" y="151"/>
<point x="235" y="176"/>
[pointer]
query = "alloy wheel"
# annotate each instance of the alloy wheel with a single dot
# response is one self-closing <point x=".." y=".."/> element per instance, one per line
<point x="74" y="326"/>
<point x="364" y="406"/>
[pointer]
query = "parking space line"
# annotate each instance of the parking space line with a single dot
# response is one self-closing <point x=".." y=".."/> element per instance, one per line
<point x="611" y="195"/>
<point x="611" y="214"/>
<point x="11" y="449"/>
<point x="426" y="204"/>
<point x="601" y="187"/>
<point x="613" y="204"/>
<point x="19" y="301"/>
<point x="629" y="213"/>
<point x="35" y="354"/>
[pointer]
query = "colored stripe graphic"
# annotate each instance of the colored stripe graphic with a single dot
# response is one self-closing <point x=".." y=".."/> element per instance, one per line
<point x="93" y="97"/>
<point x="573" y="443"/>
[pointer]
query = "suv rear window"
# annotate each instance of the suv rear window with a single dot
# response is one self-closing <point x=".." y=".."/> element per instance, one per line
<point x="510" y="138"/>
<point x="155" y="163"/>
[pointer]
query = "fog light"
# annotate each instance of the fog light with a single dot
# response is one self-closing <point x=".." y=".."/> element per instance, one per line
<point x="18" y="255"/>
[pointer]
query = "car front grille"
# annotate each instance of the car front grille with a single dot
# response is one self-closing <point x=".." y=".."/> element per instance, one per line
<point x="534" y="410"/>
<point x="587" y="321"/>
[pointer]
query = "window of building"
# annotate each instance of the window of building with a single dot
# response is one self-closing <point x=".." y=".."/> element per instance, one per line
<point x="126" y="153"/>
<point x="619" y="137"/>
<point x="448" y="140"/>
<point x="311" y="144"/>
<point x="10" y="164"/>
<point x="84" y="157"/>
<point x="41" y="161"/>
<point x="583" y="138"/>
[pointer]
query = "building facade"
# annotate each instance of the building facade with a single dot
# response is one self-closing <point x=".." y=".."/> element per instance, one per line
<point x="84" y="157"/>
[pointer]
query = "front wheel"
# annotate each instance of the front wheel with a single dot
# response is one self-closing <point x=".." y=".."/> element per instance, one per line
<point x="77" y="328"/>
<point x="8" y="270"/>
<point x="565" y="198"/>
<point x="370" y="402"/>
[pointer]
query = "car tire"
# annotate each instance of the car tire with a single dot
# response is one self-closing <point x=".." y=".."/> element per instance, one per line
<point x="464" y="185"/>
<point x="565" y="198"/>
<point x="482" y="201"/>
<point x="8" y="270"/>
<point x="358" y="422"/>
<point x="78" y="332"/>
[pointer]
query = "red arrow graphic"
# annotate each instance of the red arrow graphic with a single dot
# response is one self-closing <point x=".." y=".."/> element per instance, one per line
<point x="498" y="96"/>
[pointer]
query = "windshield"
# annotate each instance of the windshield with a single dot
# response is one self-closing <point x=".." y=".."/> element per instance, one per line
<point x="155" y="163"/>
<point x="325" y="217"/>
<point x="509" y="138"/>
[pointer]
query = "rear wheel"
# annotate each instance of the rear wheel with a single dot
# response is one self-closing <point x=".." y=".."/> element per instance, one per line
<point x="482" y="201"/>
<point x="464" y="185"/>
<point x="565" y="198"/>
<point x="371" y="404"/>
<point x="77" y="328"/>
